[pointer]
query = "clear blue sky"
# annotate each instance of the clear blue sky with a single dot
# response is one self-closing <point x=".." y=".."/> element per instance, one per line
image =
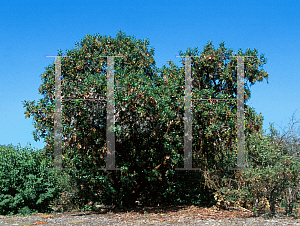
<point x="32" y="29"/>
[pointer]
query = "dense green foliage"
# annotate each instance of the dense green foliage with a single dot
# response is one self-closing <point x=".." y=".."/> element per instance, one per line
<point x="149" y="111"/>
<point x="26" y="186"/>
<point x="273" y="178"/>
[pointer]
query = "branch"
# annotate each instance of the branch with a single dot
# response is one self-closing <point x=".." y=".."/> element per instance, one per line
<point x="238" y="208"/>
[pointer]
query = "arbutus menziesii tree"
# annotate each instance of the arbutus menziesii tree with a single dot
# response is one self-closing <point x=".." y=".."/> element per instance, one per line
<point x="149" y="125"/>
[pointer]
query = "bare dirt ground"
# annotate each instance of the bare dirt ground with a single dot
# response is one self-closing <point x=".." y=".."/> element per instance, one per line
<point x="183" y="215"/>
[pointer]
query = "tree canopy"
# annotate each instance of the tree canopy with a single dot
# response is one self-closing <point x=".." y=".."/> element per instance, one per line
<point x="149" y="111"/>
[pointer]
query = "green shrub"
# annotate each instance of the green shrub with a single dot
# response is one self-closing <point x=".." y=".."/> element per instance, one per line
<point x="272" y="180"/>
<point x="275" y="174"/>
<point x="26" y="186"/>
